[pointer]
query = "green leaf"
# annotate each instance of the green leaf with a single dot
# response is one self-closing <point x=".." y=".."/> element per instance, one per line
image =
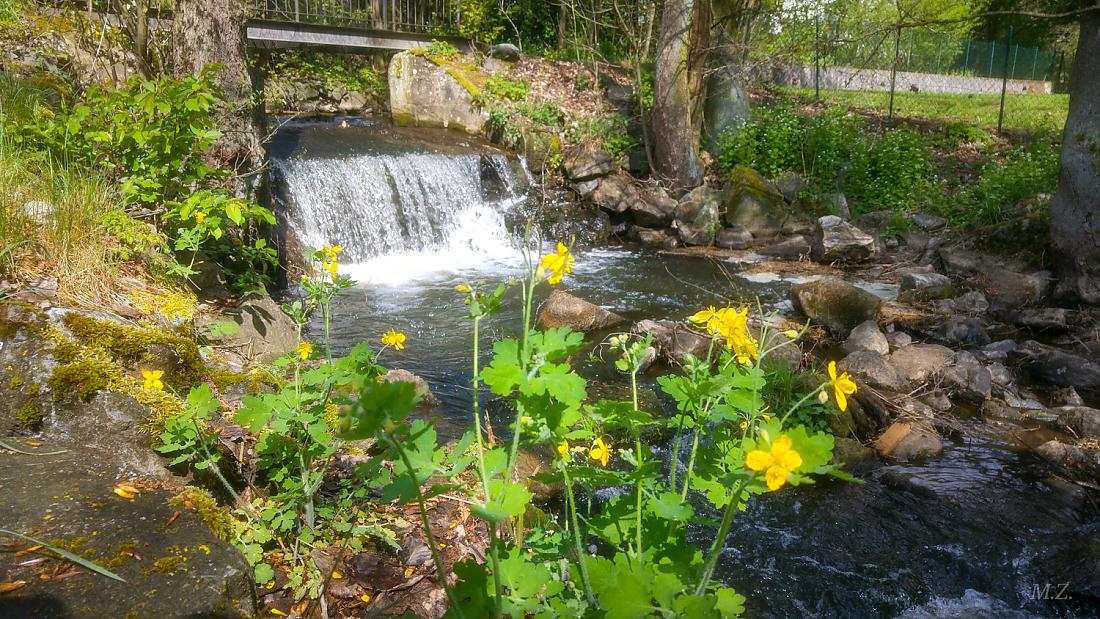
<point x="670" y="506"/>
<point x="264" y="573"/>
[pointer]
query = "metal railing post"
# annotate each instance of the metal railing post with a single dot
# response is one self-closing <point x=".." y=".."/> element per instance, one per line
<point x="894" y="69"/>
<point x="1004" y="84"/>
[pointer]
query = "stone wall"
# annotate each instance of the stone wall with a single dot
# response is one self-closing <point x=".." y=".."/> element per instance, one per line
<point x="850" y="78"/>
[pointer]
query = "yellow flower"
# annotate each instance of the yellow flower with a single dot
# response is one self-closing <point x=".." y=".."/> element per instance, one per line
<point x="600" y="452"/>
<point x="199" y="216"/>
<point x="707" y="318"/>
<point x="332" y="251"/>
<point x="563" y="448"/>
<point x="734" y="326"/>
<point x="556" y="265"/>
<point x="777" y="465"/>
<point x="153" y="379"/>
<point x="842" y="386"/>
<point x="331" y="267"/>
<point x="304" y="350"/>
<point x="791" y="333"/>
<point x="464" y="288"/>
<point x="394" y="338"/>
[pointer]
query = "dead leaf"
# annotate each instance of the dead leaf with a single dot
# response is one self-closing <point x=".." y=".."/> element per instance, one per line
<point x="6" y="587"/>
<point x="171" y="519"/>
<point x="27" y="551"/>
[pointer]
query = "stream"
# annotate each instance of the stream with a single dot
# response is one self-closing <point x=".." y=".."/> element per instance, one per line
<point x="967" y="534"/>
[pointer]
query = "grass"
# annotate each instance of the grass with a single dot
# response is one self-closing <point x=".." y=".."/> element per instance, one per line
<point x="1032" y="113"/>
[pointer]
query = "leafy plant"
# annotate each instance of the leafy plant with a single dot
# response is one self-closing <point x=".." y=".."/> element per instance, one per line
<point x="500" y="87"/>
<point x="443" y="49"/>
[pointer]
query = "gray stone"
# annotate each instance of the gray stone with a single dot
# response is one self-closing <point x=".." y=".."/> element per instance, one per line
<point x="836" y="204"/>
<point x="734" y="237"/>
<point x="1009" y="289"/>
<point x="965" y="331"/>
<point x="752" y="202"/>
<point x="959" y="262"/>
<point x="790" y="248"/>
<point x="851" y="454"/>
<point x="673" y="340"/>
<point x="839" y="241"/>
<point x="423" y="94"/>
<point x="659" y="239"/>
<point x="1082" y="420"/>
<point x="1067" y="397"/>
<point x="1058" y="367"/>
<point x="264" y="331"/>
<point x="697" y="216"/>
<point x="791" y="185"/>
<point x="1066" y="456"/>
<point x="655" y="209"/>
<point x="875" y="370"/>
<point x="353" y="101"/>
<point x="928" y="221"/>
<point x="397" y="375"/>
<point x="909" y="441"/>
<point x="972" y="303"/>
<point x="582" y="164"/>
<point x="920" y="362"/>
<point x="172" y="563"/>
<point x="937" y="400"/>
<point x="38" y="211"/>
<point x="617" y="194"/>
<point x="996" y="351"/>
<point x="585" y="188"/>
<point x="835" y="304"/>
<point x="867" y="336"/>
<point x="899" y="339"/>
<point x="967" y="378"/>
<point x="504" y="51"/>
<point x="562" y="309"/>
<point x="925" y="286"/>
<point x="1045" y="319"/>
<point x="999" y="411"/>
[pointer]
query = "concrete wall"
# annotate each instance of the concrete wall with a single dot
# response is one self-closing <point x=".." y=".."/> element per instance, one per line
<point x="847" y="78"/>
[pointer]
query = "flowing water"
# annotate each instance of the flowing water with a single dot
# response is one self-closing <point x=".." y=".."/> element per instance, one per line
<point x="965" y="535"/>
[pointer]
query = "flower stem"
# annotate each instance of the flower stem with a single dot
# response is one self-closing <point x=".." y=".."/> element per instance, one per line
<point x="577" y="541"/>
<point x="719" y="539"/>
<point x="638" y="457"/>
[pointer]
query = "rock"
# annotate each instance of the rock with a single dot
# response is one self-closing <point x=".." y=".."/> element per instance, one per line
<point x="920" y="362"/>
<point x="875" y="370"/>
<point x="585" y="188"/>
<point x="836" y="204"/>
<point x="925" y="285"/>
<point x="835" y="304"/>
<point x="839" y="241"/>
<point x="790" y="248"/>
<point x="427" y="398"/>
<point x="655" y="208"/>
<point x="659" y="239"/>
<point x="999" y="411"/>
<point x="1082" y="420"/>
<point x="673" y="340"/>
<point x="264" y="331"/>
<point x="38" y="211"/>
<point x="963" y="331"/>
<point x="1067" y="397"/>
<point x="1046" y="319"/>
<point x="972" y="303"/>
<point x="562" y="309"/>
<point x="851" y="454"/>
<point x="171" y="570"/>
<point x="734" y="237"/>
<point x="1011" y="289"/>
<point x="617" y="194"/>
<point x="752" y="202"/>
<point x="791" y="185"/>
<point x="529" y="464"/>
<point x="867" y="336"/>
<point x="423" y="94"/>
<point x="959" y="262"/>
<point x="899" y="339"/>
<point x="352" y="102"/>
<point x="909" y="441"/>
<point x="1066" y="456"/>
<point x="1058" y="367"/>
<point x="582" y="164"/>
<point x="937" y="400"/>
<point x="996" y="351"/>
<point x="697" y="216"/>
<point x="967" y="378"/>
<point x="505" y="51"/>
<point x="589" y="226"/>
<point x="928" y="221"/>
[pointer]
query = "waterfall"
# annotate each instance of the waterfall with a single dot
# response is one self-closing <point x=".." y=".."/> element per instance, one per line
<point x="406" y="214"/>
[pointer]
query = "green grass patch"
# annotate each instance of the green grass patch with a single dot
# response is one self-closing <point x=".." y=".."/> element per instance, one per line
<point x="1036" y="113"/>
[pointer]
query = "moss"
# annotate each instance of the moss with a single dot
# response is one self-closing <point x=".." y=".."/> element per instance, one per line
<point x="34" y="389"/>
<point x="206" y="506"/>
<point x="83" y="379"/>
<point x="125" y="551"/>
<point x="223" y="378"/>
<point x="16" y="383"/>
<point x="169" y="565"/>
<point x="17" y="315"/>
<point x="30" y="415"/>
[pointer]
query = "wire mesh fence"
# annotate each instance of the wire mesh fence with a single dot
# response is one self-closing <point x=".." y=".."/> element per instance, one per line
<point x="886" y="65"/>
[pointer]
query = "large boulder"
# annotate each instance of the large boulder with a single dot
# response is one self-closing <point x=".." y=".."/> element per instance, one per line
<point x="697" y="216"/>
<point x="875" y="370"/>
<point x="734" y="237"/>
<point x="925" y="284"/>
<point x="657" y="239"/>
<point x="839" y="241"/>
<point x="424" y="94"/>
<point x="835" y="304"/>
<point x="1058" y="367"/>
<point x="1082" y="420"/>
<point x="172" y="563"/>
<point x="655" y="209"/>
<point x="909" y="441"/>
<point x="967" y="378"/>
<point x="562" y="309"/>
<point x="263" y="331"/>
<point x="749" y="200"/>
<point x="582" y="164"/>
<point x="616" y="194"/>
<point x="673" y="340"/>
<point x="867" y="336"/>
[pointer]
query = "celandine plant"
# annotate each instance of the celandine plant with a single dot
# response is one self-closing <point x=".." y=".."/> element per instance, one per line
<point x="645" y="566"/>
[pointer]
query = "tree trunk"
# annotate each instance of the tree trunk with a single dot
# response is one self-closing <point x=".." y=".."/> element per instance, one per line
<point x="727" y="100"/>
<point x="206" y="32"/>
<point x="1075" y="211"/>
<point x="681" y="45"/>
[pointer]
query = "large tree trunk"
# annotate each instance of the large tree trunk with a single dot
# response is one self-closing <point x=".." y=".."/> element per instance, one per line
<point x="681" y="52"/>
<point x="727" y="100"/>
<point x="1075" y="211"/>
<point x="206" y="32"/>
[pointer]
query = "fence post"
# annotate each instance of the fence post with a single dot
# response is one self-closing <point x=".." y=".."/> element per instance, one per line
<point x="1004" y="84"/>
<point x="992" y="55"/>
<point x="1015" y="55"/>
<point x="817" y="57"/>
<point x="1034" y="62"/>
<point x="894" y="69"/>
<point x="966" y="58"/>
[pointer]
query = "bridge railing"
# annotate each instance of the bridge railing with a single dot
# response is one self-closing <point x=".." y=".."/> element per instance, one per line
<point x="440" y="17"/>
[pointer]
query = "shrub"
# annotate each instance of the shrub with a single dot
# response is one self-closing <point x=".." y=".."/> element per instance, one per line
<point x="1021" y="172"/>
<point x="894" y="172"/>
<point x="500" y="87"/>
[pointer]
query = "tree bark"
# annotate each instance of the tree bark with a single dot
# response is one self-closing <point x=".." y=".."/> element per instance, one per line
<point x="727" y="100"/>
<point x="681" y="52"/>
<point x="1075" y="211"/>
<point x="209" y="32"/>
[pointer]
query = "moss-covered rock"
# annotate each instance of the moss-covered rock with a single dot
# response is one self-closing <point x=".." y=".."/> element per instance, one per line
<point x="435" y="92"/>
